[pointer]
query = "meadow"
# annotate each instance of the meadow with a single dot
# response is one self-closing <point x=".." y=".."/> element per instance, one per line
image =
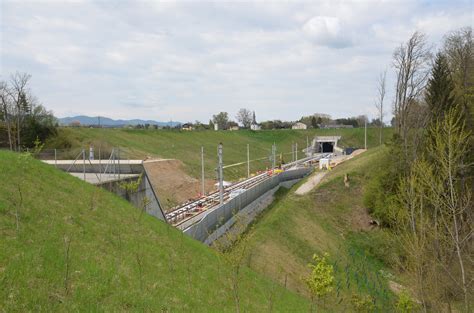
<point x="186" y="145"/>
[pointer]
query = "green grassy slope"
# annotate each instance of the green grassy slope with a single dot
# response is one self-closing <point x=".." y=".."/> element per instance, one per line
<point x="186" y="145"/>
<point x="332" y="219"/>
<point x="75" y="247"/>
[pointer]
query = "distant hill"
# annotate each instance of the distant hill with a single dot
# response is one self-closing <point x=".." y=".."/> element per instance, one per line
<point x="105" y="121"/>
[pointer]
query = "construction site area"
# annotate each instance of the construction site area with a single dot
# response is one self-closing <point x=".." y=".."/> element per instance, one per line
<point x="202" y="208"/>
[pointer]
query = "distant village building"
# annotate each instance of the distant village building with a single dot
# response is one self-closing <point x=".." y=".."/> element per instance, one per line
<point x="216" y="126"/>
<point x="234" y="128"/>
<point x="254" y="125"/>
<point x="187" y="126"/>
<point x="299" y="125"/>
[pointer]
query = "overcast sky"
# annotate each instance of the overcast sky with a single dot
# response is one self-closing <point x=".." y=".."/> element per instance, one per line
<point x="185" y="61"/>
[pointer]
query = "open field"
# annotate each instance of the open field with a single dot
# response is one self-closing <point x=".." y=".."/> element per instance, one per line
<point x="330" y="218"/>
<point x="69" y="246"/>
<point x="186" y="145"/>
<point x="181" y="181"/>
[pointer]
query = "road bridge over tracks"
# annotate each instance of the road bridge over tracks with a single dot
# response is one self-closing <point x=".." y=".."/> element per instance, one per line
<point x="111" y="175"/>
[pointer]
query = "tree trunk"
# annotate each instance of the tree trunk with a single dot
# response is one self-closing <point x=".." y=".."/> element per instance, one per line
<point x="18" y="130"/>
<point x="8" y="124"/>
<point x="380" y="134"/>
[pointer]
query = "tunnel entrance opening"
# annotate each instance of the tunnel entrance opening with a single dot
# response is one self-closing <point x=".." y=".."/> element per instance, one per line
<point x="325" y="144"/>
<point x="327" y="147"/>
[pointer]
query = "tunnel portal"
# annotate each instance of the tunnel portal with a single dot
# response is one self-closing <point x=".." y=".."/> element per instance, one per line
<point x="327" y="147"/>
<point x="324" y="144"/>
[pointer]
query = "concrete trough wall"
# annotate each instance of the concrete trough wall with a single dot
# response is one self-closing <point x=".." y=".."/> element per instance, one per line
<point x="137" y="198"/>
<point x="111" y="181"/>
<point x="219" y="216"/>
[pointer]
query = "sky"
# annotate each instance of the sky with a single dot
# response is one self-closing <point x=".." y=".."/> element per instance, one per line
<point x="187" y="60"/>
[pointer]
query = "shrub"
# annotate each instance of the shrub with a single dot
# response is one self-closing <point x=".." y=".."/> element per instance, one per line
<point x="363" y="304"/>
<point x="405" y="303"/>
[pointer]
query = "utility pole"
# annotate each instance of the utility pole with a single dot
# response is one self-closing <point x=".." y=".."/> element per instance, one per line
<point x="221" y="178"/>
<point x="248" y="160"/>
<point x="84" y="163"/>
<point x="365" y="134"/>
<point x="113" y="159"/>
<point x="293" y="152"/>
<point x="296" y="151"/>
<point x="273" y="156"/>
<point x="203" y="192"/>
<point x="118" y="160"/>
<point x="100" y="166"/>
<point x="307" y="145"/>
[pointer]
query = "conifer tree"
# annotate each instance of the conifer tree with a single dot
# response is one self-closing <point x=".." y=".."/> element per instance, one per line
<point x="440" y="95"/>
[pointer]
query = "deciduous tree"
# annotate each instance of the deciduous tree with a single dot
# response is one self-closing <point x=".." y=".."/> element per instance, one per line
<point x="410" y="61"/>
<point x="380" y="101"/>
<point x="221" y="119"/>
<point x="244" y="117"/>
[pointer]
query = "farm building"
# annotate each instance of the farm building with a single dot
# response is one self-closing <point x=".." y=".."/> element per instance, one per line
<point x="299" y="125"/>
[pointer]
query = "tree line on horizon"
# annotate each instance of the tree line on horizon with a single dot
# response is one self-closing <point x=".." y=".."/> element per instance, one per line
<point x="245" y="118"/>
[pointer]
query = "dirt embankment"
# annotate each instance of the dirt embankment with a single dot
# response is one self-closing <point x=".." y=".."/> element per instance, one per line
<point x="316" y="178"/>
<point x="171" y="182"/>
<point x="312" y="182"/>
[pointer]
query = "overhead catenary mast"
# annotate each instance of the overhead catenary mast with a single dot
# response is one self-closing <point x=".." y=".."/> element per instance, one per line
<point x="220" y="173"/>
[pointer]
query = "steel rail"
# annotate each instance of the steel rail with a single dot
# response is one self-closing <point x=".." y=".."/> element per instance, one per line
<point x="190" y="209"/>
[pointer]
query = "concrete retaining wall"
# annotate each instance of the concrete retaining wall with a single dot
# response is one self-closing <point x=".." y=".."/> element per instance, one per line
<point x="247" y="215"/>
<point x="216" y="219"/>
<point x="144" y="191"/>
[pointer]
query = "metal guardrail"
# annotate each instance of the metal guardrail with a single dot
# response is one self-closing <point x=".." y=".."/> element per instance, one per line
<point x="109" y="166"/>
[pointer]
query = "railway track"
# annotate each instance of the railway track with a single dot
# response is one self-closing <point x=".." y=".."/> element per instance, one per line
<point x="182" y="213"/>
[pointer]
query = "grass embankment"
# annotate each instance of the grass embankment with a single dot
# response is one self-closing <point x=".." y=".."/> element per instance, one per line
<point x="331" y="218"/>
<point x="68" y="246"/>
<point x="186" y="145"/>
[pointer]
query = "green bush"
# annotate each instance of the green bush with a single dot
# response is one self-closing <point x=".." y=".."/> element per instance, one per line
<point x="64" y="139"/>
<point x="375" y="243"/>
<point x="405" y="303"/>
<point x="379" y="195"/>
<point x="363" y="304"/>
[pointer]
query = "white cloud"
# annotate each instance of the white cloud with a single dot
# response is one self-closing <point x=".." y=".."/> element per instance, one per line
<point x="327" y="31"/>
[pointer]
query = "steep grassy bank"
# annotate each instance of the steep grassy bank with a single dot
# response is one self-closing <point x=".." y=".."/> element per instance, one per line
<point x="68" y="246"/>
<point x="186" y="145"/>
<point x="332" y="219"/>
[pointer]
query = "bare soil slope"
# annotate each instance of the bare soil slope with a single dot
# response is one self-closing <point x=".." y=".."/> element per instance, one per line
<point x="171" y="182"/>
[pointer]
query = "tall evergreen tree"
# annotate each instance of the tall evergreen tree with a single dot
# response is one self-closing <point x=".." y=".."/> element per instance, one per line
<point x="440" y="95"/>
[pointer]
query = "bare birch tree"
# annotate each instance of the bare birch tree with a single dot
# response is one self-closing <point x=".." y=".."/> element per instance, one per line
<point x="410" y="61"/>
<point x="19" y="82"/>
<point x="379" y="101"/>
